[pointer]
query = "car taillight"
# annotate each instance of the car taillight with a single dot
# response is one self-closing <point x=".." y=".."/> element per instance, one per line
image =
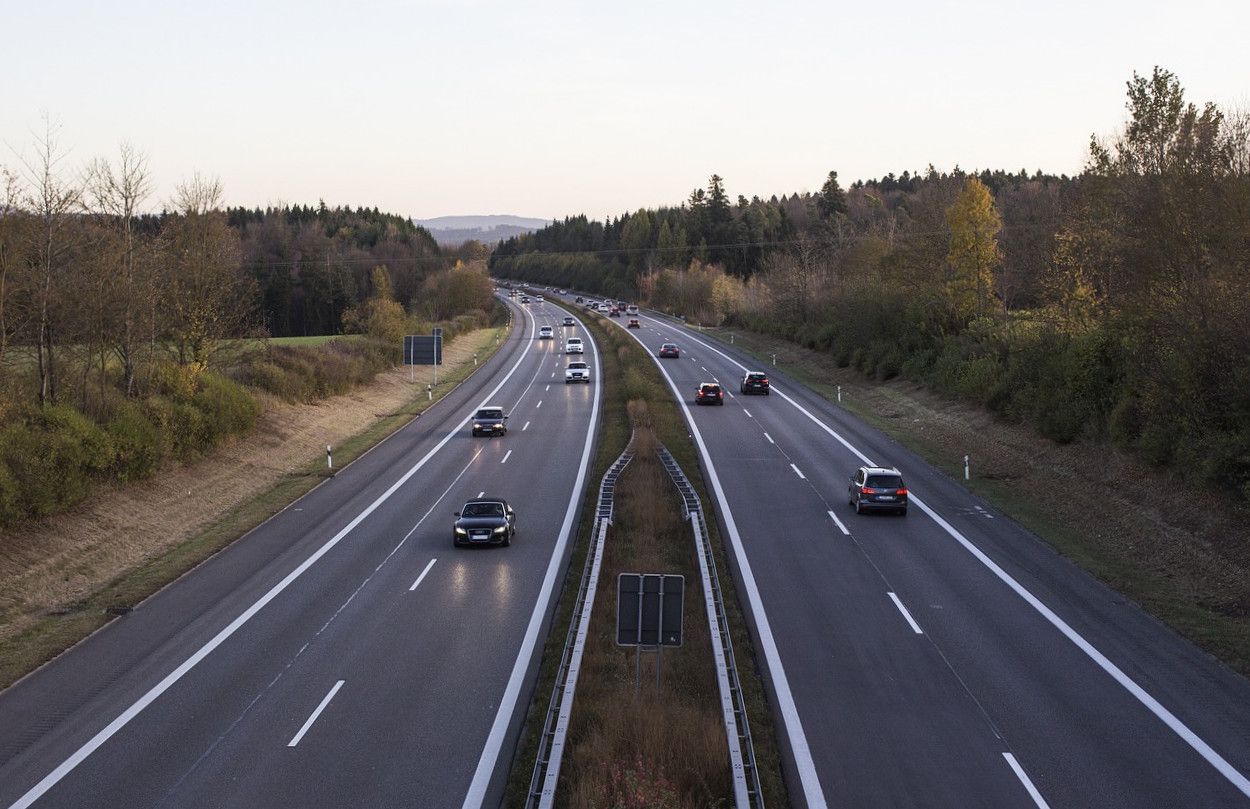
<point x="720" y="393"/>
<point x="866" y="490"/>
<point x="901" y="492"/>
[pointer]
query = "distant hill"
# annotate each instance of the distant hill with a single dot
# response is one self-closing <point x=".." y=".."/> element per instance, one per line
<point x="456" y="230"/>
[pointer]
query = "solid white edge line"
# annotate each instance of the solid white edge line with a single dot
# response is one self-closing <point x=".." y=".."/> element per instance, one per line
<point x="813" y="794"/>
<point x="748" y="412"/>
<point x="91" y="745"/>
<point x="798" y="472"/>
<point x="506" y="456"/>
<point x="313" y="718"/>
<point x="839" y="523"/>
<point x="915" y="627"/>
<point x="1221" y="765"/>
<point x="423" y="572"/>
<point x="489" y="760"/>
<point x="770" y="438"/>
<point x="1024" y="779"/>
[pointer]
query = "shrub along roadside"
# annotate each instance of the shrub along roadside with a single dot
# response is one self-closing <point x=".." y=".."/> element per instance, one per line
<point x="25" y="651"/>
<point x="629" y="376"/>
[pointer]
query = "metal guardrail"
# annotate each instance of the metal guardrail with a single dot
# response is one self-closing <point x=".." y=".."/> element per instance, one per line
<point x="746" y="781"/>
<point x="542" y="787"/>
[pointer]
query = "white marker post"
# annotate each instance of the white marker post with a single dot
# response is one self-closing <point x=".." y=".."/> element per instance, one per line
<point x="429" y="392"/>
<point x="966" y="467"/>
<point x="731" y="339"/>
<point x="329" y="458"/>
<point x="774" y="360"/>
<point x="839" y="394"/>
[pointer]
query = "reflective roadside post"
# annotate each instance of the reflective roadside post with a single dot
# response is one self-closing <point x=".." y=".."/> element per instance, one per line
<point x="839" y="394"/>
<point x="329" y="458"/>
<point x="966" y="471"/>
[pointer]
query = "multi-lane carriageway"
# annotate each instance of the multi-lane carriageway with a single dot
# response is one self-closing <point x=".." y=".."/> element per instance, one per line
<point x="948" y="658"/>
<point x="344" y="654"/>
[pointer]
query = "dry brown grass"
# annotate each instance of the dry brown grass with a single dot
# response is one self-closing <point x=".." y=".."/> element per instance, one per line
<point x="50" y="566"/>
<point x="639" y="747"/>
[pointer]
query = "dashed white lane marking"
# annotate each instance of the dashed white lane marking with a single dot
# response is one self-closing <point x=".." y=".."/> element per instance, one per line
<point x="526" y="427"/>
<point x="427" y="570"/>
<point x="1024" y="779"/>
<point x="546" y="388"/>
<point x="704" y="369"/>
<point x="553" y="374"/>
<point x="481" y="493"/>
<point x="506" y="456"/>
<point x="748" y="412"/>
<point x="540" y="404"/>
<point x="324" y="702"/>
<point x="770" y="438"/>
<point x="798" y="472"/>
<point x="838" y="522"/>
<point x="914" y="626"/>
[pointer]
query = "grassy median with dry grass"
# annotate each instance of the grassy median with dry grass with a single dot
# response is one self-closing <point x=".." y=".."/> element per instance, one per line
<point x="671" y="750"/>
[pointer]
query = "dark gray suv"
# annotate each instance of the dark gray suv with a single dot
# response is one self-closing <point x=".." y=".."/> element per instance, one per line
<point x="876" y="488"/>
<point x="490" y="420"/>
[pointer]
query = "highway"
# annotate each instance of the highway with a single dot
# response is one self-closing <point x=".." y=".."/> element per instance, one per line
<point x="948" y="658"/>
<point x="343" y="653"/>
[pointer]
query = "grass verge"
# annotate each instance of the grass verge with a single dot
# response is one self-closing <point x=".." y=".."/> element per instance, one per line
<point x="27" y="650"/>
<point x="631" y="381"/>
<point x="1164" y="560"/>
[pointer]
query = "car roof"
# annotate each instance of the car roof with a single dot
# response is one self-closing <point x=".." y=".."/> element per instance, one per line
<point x="490" y="407"/>
<point x="709" y="384"/>
<point x="666" y="345"/>
<point x="881" y="470"/>
<point x="756" y="373"/>
<point x="485" y="499"/>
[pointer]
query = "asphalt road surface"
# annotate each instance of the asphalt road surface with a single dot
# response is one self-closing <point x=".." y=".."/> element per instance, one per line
<point x="344" y="653"/>
<point x="948" y="658"/>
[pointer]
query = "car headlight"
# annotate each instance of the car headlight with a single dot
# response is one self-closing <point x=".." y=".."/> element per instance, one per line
<point x="501" y="529"/>
<point x="460" y="530"/>
<point x="476" y="426"/>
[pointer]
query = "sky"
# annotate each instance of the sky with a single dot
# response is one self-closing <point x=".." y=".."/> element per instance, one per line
<point x="551" y="109"/>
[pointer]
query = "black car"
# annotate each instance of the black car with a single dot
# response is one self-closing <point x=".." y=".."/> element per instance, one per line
<point x="569" y="321"/>
<point x="754" y="382"/>
<point x="876" y="488"/>
<point x="484" y="521"/>
<point x="490" y="420"/>
<point x="709" y="393"/>
<point x="670" y="351"/>
<point x="579" y="299"/>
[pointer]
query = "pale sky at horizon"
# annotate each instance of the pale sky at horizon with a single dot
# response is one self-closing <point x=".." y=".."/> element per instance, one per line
<point x="549" y="109"/>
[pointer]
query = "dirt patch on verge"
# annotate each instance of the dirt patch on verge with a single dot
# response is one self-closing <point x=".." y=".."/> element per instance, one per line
<point x="52" y="566"/>
<point x="1181" y="552"/>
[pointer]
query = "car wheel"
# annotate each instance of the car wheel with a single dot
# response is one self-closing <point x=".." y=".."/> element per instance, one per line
<point x="902" y="512"/>
<point x="859" y="509"/>
<point x="765" y="393"/>
<point x="507" y="540"/>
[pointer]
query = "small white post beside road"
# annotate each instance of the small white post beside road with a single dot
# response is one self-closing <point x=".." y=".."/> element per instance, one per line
<point x="966" y="470"/>
<point x="329" y="458"/>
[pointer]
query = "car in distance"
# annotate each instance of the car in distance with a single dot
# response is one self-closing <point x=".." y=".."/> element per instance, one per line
<point x="878" y="488"/>
<point x="709" y="393"/>
<point x="490" y="420"/>
<point x="614" y="312"/>
<point x="569" y="321"/>
<point x="633" y="324"/>
<point x="754" y="382"/>
<point x="573" y="346"/>
<point x="579" y="299"/>
<point x="484" y="521"/>
<point x="631" y="310"/>
<point x="577" y="371"/>
<point x="525" y="299"/>
<point x="545" y="333"/>
<point x="669" y="351"/>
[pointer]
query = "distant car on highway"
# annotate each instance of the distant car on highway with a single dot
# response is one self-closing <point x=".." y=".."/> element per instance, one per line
<point x="525" y="299"/>
<point x="670" y="351"/>
<point x="490" y="420"/>
<point x="573" y="346"/>
<point x="579" y="299"/>
<point x="754" y="382"/>
<point x="877" y="488"/>
<point x="633" y="324"/>
<point x="569" y="321"/>
<point x="545" y="333"/>
<point x="709" y="393"/>
<point x="631" y="310"/>
<point x="614" y="312"/>
<point x="577" y="371"/>
<point x="484" y="521"/>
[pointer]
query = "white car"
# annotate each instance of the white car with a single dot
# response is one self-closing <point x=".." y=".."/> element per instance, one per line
<point x="545" y="333"/>
<point x="574" y="346"/>
<point x="577" y="371"/>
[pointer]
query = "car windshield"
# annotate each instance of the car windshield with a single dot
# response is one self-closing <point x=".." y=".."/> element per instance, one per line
<point x="711" y="388"/>
<point x="489" y="413"/>
<point x="668" y="346"/>
<point x="482" y="510"/>
<point x="884" y="482"/>
<point x="577" y="366"/>
<point x="755" y="377"/>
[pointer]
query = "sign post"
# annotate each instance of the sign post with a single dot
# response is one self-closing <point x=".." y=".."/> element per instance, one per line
<point x="649" y="616"/>
<point x="420" y="349"/>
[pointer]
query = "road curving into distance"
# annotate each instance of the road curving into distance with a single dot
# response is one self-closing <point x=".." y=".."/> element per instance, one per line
<point x="343" y="653"/>
<point x="948" y="658"/>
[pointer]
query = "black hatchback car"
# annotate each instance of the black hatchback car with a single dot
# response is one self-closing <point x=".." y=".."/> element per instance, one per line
<point x="754" y="382"/>
<point x="484" y="521"/>
<point x="876" y="488"/>
<point x="709" y="393"/>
